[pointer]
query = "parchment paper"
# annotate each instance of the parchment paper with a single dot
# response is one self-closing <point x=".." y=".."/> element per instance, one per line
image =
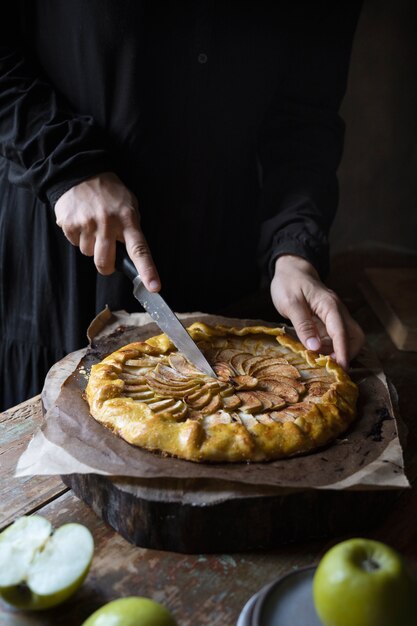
<point x="70" y="441"/>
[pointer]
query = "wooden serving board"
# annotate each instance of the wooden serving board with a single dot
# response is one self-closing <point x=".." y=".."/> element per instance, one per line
<point x="150" y="518"/>
<point x="194" y="515"/>
<point x="392" y="294"/>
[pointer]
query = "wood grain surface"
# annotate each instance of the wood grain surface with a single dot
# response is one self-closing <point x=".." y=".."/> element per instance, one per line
<point x="22" y="495"/>
<point x="265" y="522"/>
<point x="199" y="590"/>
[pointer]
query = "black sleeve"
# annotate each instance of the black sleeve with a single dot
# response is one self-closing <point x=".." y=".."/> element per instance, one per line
<point x="301" y="141"/>
<point x="50" y="147"/>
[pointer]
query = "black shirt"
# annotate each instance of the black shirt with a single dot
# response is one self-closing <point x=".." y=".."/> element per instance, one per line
<point x="220" y="116"/>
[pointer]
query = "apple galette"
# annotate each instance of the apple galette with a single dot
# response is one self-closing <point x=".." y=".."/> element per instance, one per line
<point x="272" y="398"/>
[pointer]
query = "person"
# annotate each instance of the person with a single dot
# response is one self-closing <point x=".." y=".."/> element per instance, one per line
<point x="204" y="135"/>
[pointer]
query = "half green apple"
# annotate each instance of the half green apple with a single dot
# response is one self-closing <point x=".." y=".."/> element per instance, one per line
<point x="40" y="567"/>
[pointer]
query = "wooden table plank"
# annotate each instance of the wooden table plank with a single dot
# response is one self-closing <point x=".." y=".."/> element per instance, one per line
<point x="20" y="496"/>
<point x="200" y="590"/>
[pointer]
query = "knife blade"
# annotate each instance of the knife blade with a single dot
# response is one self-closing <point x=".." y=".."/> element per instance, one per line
<point x="162" y="314"/>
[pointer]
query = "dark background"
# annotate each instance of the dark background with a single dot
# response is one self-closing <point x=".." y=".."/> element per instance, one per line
<point x="378" y="174"/>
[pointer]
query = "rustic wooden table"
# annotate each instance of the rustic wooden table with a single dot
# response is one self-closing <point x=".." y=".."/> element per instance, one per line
<point x="198" y="589"/>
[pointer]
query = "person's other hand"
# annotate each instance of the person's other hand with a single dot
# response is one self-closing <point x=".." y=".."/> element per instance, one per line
<point x="100" y="211"/>
<point x="320" y="319"/>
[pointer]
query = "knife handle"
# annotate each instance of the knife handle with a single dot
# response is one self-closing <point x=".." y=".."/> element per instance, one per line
<point x="123" y="262"/>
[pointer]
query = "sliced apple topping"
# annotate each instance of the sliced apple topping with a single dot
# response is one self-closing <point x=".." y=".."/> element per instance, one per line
<point x="180" y="364"/>
<point x="226" y="390"/>
<point x="136" y="387"/>
<point x="276" y="370"/>
<point x="178" y="410"/>
<point x="146" y="395"/>
<point x="132" y="377"/>
<point x="166" y="390"/>
<point x="239" y="361"/>
<point x="253" y="380"/>
<point x="264" y="362"/>
<point x="296" y="410"/>
<point x="281" y="417"/>
<point x="251" y="362"/>
<point x="270" y="400"/>
<point x="226" y="354"/>
<point x="160" y="406"/>
<point x="318" y="388"/>
<point x="316" y="391"/>
<point x="199" y="399"/>
<point x="244" y="382"/>
<point x="287" y="392"/>
<point x="214" y="405"/>
<point x="264" y="419"/>
<point x="146" y="361"/>
<point x="223" y="371"/>
<point x="231" y="402"/>
<point x="268" y="384"/>
<point x="167" y="374"/>
<point x="250" y="402"/>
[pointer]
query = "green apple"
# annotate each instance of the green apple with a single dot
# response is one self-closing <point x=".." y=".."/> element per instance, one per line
<point x="361" y="582"/>
<point x="132" y="611"/>
<point x="40" y="567"/>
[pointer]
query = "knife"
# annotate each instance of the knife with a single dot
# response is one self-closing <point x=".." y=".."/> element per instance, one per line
<point x="161" y="313"/>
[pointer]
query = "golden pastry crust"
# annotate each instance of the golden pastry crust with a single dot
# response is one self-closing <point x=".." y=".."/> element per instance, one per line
<point x="272" y="398"/>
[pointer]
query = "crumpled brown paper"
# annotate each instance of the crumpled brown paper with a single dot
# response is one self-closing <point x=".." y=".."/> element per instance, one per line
<point x="70" y="441"/>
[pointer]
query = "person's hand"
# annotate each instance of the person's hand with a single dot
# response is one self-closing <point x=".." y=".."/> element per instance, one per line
<point x="100" y="211"/>
<point x="320" y="319"/>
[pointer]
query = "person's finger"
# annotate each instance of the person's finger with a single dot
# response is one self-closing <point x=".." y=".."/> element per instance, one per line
<point x="336" y="328"/>
<point x="87" y="243"/>
<point x="104" y="254"/>
<point x="326" y="343"/>
<point x="138" y="250"/>
<point x="355" y="334"/>
<point x="302" y="319"/>
<point x="326" y="346"/>
<point x="73" y="235"/>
